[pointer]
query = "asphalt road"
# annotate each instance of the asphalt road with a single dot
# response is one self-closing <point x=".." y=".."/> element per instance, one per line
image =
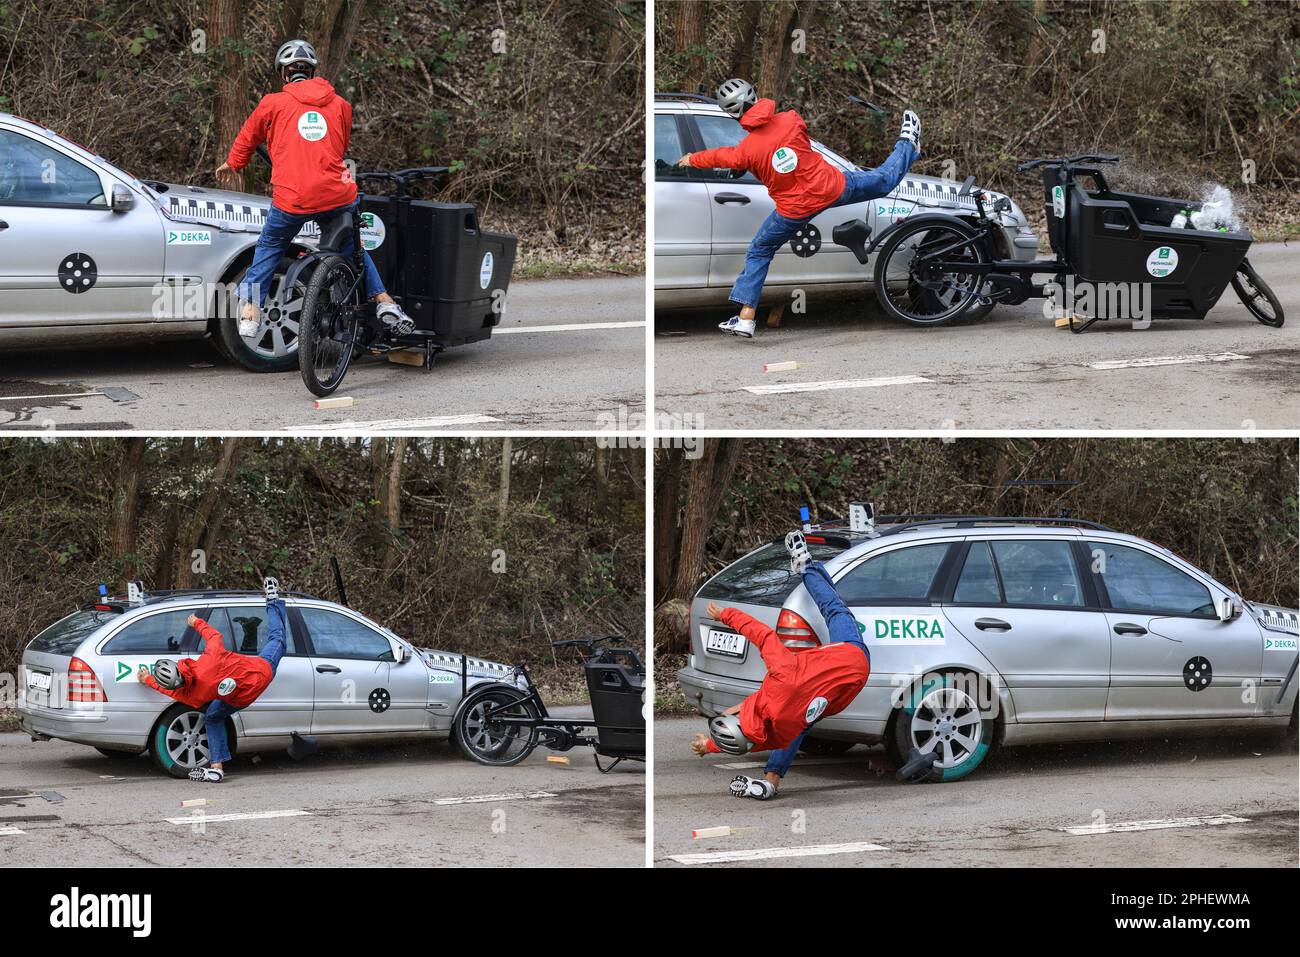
<point x="1011" y="812"/>
<point x="376" y="806"/>
<point x="569" y="354"/>
<point x="1013" y="369"/>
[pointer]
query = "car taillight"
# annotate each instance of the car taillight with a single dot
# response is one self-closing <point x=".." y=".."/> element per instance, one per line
<point x="82" y="683"/>
<point x="794" y="632"/>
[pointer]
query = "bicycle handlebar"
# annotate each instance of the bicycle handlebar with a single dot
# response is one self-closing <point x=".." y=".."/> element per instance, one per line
<point x="1067" y="161"/>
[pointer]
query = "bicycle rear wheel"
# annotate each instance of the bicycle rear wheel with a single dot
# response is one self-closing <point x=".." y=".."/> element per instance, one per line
<point x="328" y="328"/>
<point x="922" y="295"/>
<point x="1256" y="296"/>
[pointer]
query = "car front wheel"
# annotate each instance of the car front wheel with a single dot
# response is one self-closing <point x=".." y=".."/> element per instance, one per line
<point x="179" y="742"/>
<point x="942" y="715"/>
<point x="274" y="347"/>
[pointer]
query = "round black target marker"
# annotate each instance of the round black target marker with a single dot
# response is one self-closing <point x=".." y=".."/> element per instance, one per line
<point x="807" y="240"/>
<point x="380" y="699"/>
<point x="77" y="272"/>
<point x="1197" y="673"/>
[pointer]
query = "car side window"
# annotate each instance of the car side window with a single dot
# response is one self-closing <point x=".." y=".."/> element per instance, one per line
<point x="1038" y="572"/>
<point x="32" y="172"/>
<point x="338" y="636"/>
<point x="718" y="131"/>
<point x="978" y="583"/>
<point x="668" y="148"/>
<point x="1137" y="581"/>
<point x="162" y="634"/>
<point x="243" y="628"/>
<point x="901" y="575"/>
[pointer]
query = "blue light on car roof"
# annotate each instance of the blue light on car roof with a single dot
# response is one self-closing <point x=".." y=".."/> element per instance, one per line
<point x="804" y="514"/>
<point x="103" y="590"/>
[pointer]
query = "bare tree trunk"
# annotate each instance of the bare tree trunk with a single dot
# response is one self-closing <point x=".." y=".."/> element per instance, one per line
<point x="291" y="19"/>
<point x="503" y="494"/>
<point x="688" y="39"/>
<point x="777" y="58"/>
<point x="379" y="472"/>
<point x="209" y="510"/>
<point x="165" y="561"/>
<point x="393" y="511"/>
<point x="705" y="487"/>
<point x="742" y="54"/>
<point x="126" y="498"/>
<point x="342" y="33"/>
<point x="667" y="492"/>
<point x="225" y="27"/>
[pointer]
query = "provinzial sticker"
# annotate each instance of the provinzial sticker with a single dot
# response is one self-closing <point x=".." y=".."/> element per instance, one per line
<point x="227" y="685"/>
<point x="312" y="126"/>
<point x="903" y="629"/>
<point x="373" y="231"/>
<point x="815" y="709"/>
<point x="1058" y="202"/>
<point x="189" y="237"/>
<point x="485" y="271"/>
<point x="784" y="160"/>
<point x="1162" y="261"/>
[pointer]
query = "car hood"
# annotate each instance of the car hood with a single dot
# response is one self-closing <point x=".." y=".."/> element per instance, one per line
<point x="1276" y="618"/>
<point x="939" y="193"/>
<point x="222" y="208"/>
<point x="475" y="667"/>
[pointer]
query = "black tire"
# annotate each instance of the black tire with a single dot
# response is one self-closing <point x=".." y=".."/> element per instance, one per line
<point x="328" y="315"/>
<point x="173" y="751"/>
<point x="115" y="755"/>
<point x="919" y="704"/>
<point x="900" y="293"/>
<point x="492" y="744"/>
<point x="1256" y="296"/>
<point x="275" y="349"/>
<point x="824" y="746"/>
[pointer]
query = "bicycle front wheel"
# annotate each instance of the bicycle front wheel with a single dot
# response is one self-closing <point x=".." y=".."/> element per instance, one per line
<point x="327" y="330"/>
<point x="480" y="733"/>
<point x="1256" y="296"/>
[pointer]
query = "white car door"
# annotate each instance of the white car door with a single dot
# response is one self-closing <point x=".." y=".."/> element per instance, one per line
<point x="682" y="213"/>
<point x="359" y="687"/>
<point x="65" y="256"/>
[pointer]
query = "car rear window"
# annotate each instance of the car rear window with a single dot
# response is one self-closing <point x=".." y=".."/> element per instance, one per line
<point x="762" y="577"/>
<point x="64" y="637"/>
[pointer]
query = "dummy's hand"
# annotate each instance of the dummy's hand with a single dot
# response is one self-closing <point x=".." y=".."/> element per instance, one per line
<point x="713" y="611"/>
<point x="194" y="621"/>
<point x="685" y="160"/>
<point x="700" y="744"/>
<point x="223" y="168"/>
<point x="143" y="672"/>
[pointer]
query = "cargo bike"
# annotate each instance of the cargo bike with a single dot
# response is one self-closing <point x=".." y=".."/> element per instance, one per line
<point x="502" y="723"/>
<point x="931" y="269"/>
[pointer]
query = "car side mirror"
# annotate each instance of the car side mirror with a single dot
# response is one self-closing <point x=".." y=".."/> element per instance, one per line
<point x="1228" y="609"/>
<point x="401" y="654"/>
<point x="123" y="199"/>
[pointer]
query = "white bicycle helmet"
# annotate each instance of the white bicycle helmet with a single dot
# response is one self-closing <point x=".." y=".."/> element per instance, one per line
<point x="735" y="96"/>
<point x="292" y="54"/>
<point x="725" y="732"/>
<point x="167" y="674"/>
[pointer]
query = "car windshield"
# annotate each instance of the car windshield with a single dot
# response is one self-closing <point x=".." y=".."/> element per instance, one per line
<point x="762" y="577"/>
<point x="64" y="637"/>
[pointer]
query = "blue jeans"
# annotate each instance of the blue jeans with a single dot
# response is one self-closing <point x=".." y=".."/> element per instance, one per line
<point x="217" y="711"/>
<point x="843" y="627"/>
<point x="777" y="230"/>
<point x="278" y="232"/>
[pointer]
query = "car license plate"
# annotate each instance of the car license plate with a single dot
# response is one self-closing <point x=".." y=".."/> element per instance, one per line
<point x="726" y="643"/>
<point x="39" y="680"/>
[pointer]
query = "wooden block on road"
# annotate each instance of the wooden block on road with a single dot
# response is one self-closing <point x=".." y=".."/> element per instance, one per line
<point x="700" y="832"/>
<point x="774" y="316"/>
<point x="334" y="402"/>
<point x="406" y="357"/>
<point x="780" y="366"/>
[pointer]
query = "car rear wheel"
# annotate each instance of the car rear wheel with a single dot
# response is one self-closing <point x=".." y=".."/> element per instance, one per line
<point x="179" y="742"/>
<point x="274" y="347"/>
<point x="942" y="714"/>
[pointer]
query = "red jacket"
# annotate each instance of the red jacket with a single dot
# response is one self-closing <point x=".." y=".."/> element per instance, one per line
<point x="799" y="688"/>
<point x="307" y="127"/>
<point x="778" y="151"/>
<point x="207" y="676"/>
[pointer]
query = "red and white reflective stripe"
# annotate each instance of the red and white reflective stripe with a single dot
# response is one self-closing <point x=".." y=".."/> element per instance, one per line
<point x="795" y="633"/>
<point x="83" y="685"/>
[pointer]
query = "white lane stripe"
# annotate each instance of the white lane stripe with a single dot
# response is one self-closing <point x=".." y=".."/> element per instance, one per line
<point x="1151" y="361"/>
<point x="571" y="327"/>
<point x="52" y="395"/>
<point x="1154" y="825"/>
<point x="774" y="853"/>
<point x="432" y="422"/>
<point x="251" y="816"/>
<point x="10" y="830"/>
<point x="488" y="798"/>
<point x="787" y="387"/>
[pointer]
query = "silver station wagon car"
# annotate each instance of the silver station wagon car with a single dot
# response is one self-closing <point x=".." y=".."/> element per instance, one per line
<point x="988" y="631"/>
<point x="705" y="219"/>
<point x="343" y="678"/>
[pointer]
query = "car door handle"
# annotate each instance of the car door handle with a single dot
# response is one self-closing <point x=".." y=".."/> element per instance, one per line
<point x="3" y="224"/>
<point x="329" y="669"/>
<point x="724" y="198"/>
<point x="1128" y="628"/>
<point x="991" y="624"/>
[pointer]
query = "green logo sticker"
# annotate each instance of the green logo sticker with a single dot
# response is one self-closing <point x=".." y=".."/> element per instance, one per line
<point x="124" y="671"/>
<point x="373" y="231"/>
<point x="1281" y="644"/>
<point x="312" y="126"/>
<point x="1058" y="202"/>
<point x="903" y="629"/>
<point x="785" y="160"/>
<point x="189" y="237"/>
<point x="1162" y="262"/>
<point x="227" y="685"/>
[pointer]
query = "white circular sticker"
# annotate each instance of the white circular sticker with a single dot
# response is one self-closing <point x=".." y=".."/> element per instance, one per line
<point x="1162" y="261"/>
<point x="815" y="708"/>
<point x="373" y="231"/>
<point x="227" y="685"/>
<point x="485" y="271"/>
<point x="312" y="126"/>
<point x="784" y="160"/>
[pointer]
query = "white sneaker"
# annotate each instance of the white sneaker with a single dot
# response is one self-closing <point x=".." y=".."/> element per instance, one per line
<point x="738" y="327"/>
<point x="398" y="322"/>
<point x="248" y="327"/>
<point x="207" y="775"/>
<point x="911" y="130"/>
<point x="758" y="788"/>
<point x="799" y="554"/>
<point x="272" y="587"/>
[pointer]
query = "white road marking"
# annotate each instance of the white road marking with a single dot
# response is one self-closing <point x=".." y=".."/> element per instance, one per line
<point x="1151" y="361"/>
<point x="773" y="853"/>
<point x="389" y="425"/>
<point x="57" y="395"/>
<point x="488" y="798"/>
<point x="10" y="830"/>
<point x="1154" y="825"/>
<point x="829" y="384"/>
<point x="571" y="327"/>
<point x="251" y="816"/>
